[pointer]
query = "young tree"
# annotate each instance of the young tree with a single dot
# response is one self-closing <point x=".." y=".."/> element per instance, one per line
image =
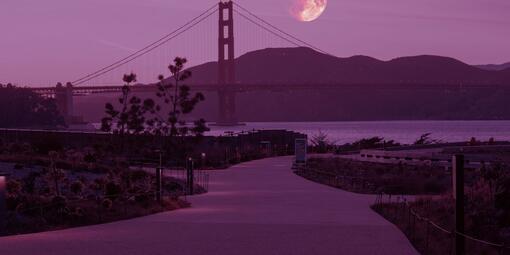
<point x="179" y="102"/>
<point x="167" y="120"/>
<point x="321" y="143"/>
<point x="425" y="139"/>
<point x="130" y="119"/>
<point x="170" y="118"/>
<point x="55" y="174"/>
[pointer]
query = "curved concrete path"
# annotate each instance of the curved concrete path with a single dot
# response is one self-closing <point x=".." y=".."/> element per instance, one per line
<point x="259" y="207"/>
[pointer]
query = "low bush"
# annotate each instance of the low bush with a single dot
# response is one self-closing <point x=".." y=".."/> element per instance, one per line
<point x="370" y="177"/>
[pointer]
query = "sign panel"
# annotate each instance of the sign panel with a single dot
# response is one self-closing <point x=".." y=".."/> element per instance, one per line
<point x="300" y="150"/>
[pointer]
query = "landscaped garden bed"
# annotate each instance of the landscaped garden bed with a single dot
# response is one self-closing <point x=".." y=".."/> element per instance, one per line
<point x="374" y="178"/>
<point x="429" y="222"/>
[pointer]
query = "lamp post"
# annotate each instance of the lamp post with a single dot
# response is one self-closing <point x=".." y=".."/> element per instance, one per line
<point x="3" y="209"/>
<point x="189" y="176"/>
<point x="159" y="177"/>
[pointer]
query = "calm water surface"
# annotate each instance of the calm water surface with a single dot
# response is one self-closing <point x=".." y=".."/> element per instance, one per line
<point x="400" y="131"/>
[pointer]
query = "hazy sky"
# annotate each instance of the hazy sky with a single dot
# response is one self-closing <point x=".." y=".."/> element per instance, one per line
<point x="44" y="41"/>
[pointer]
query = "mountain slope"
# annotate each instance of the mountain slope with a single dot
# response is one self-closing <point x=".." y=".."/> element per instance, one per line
<point x="303" y="65"/>
<point x="495" y="67"/>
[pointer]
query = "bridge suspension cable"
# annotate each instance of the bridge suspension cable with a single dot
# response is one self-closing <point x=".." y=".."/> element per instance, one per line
<point x="145" y="50"/>
<point x="286" y="35"/>
<point x="240" y="10"/>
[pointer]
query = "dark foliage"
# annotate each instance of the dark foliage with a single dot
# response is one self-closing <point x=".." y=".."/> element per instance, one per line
<point x="130" y="118"/>
<point x="367" y="143"/>
<point x="178" y="102"/>
<point x="21" y="108"/>
<point x="371" y="177"/>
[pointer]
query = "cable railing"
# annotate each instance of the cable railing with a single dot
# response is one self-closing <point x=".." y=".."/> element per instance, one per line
<point x="83" y="210"/>
<point x="400" y="210"/>
<point x="97" y="206"/>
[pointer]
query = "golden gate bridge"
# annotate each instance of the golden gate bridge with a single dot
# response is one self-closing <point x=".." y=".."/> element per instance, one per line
<point x="187" y="40"/>
<point x="104" y="79"/>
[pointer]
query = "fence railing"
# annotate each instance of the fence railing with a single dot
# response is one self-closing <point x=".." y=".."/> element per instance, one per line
<point x="200" y="177"/>
<point x="429" y="236"/>
<point x="95" y="207"/>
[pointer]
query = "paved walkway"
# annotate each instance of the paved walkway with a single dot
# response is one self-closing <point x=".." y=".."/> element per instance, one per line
<point x="259" y="207"/>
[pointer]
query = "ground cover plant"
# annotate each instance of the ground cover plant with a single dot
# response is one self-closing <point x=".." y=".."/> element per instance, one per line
<point x="370" y="177"/>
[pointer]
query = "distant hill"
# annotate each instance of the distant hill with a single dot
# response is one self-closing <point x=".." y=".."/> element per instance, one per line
<point x="495" y="67"/>
<point x="304" y="65"/>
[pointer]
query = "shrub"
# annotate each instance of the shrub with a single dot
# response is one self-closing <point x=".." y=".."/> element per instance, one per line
<point x="13" y="187"/>
<point x="113" y="190"/>
<point x="29" y="182"/>
<point x="432" y="187"/>
<point x="59" y="202"/>
<point x="139" y="175"/>
<point x="89" y="158"/>
<point x="107" y="204"/>
<point x="77" y="187"/>
<point x="143" y="199"/>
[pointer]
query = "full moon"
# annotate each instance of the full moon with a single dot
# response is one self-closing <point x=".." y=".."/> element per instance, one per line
<point x="308" y="10"/>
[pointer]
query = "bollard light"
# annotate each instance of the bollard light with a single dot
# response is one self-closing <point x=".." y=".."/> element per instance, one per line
<point x="3" y="187"/>
<point x="3" y="182"/>
<point x="3" y="209"/>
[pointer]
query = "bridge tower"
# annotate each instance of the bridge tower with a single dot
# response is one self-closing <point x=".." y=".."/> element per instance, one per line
<point x="226" y="67"/>
<point x="64" y="101"/>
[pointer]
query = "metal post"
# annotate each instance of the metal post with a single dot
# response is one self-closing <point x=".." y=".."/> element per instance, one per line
<point x="189" y="176"/>
<point x="409" y="220"/>
<point x="3" y="209"/>
<point x="158" y="184"/>
<point x="427" y="237"/>
<point x="458" y="192"/>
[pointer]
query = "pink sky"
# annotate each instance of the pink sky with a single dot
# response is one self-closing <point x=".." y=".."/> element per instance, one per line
<point x="42" y="42"/>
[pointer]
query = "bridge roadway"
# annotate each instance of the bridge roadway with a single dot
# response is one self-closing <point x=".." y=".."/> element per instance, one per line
<point x="259" y="207"/>
<point x="283" y="86"/>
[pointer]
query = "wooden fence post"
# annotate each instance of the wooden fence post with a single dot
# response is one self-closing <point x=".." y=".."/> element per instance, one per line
<point x="458" y="193"/>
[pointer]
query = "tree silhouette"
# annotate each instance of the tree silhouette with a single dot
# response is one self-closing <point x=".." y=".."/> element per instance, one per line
<point x="166" y="119"/>
<point x="130" y="119"/>
<point x="55" y="174"/>
<point x="179" y="102"/>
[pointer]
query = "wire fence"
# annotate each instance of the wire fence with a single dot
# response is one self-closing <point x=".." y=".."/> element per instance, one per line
<point x="98" y="207"/>
<point x="200" y="177"/>
<point x="84" y="210"/>
<point x="428" y="236"/>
